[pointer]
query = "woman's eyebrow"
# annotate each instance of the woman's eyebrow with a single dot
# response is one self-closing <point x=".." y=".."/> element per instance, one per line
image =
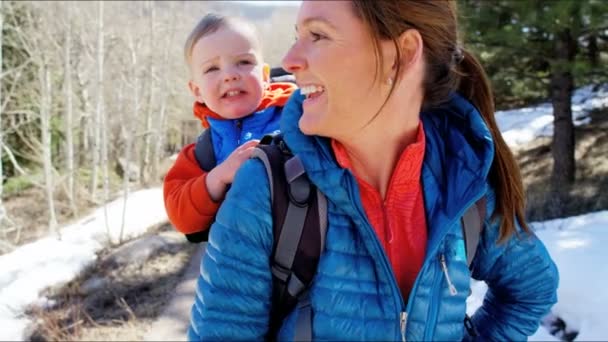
<point x="311" y="20"/>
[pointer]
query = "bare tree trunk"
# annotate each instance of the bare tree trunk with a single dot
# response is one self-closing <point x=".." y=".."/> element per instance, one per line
<point x="44" y="74"/>
<point x="145" y="163"/>
<point x="86" y="110"/>
<point x="562" y="149"/>
<point x="3" y="214"/>
<point x="130" y="130"/>
<point x="2" y="210"/>
<point x="104" y="165"/>
<point x="162" y="117"/>
<point x="593" y="52"/>
<point x="98" y="109"/>
<point x="69" y="110"/>
<point x="562" y="84"/>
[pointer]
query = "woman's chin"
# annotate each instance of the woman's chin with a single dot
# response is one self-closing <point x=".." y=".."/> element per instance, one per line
<point x="309" y="125"/>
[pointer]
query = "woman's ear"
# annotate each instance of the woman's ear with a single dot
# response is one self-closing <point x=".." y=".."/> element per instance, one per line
<point x="411" y="47"/>
<point x="389" y="60"/>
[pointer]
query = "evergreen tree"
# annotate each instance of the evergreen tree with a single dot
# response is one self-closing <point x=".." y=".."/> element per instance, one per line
<point x="541" y="48"/>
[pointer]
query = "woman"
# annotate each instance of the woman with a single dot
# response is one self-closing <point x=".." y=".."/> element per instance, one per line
<point x="397" y="129"/>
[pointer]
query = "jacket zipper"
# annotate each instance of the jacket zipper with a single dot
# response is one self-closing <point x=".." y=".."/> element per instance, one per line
<point x="239" y="126"/>
<point x="399" y="303"/>
<point x="403" y="324"/>
<point x="444" y="267"/>
<point x="435" y="294"/>
<point x="433" y="306"/>
<point x="403" y="315"/>
<point x="388" y="233"/>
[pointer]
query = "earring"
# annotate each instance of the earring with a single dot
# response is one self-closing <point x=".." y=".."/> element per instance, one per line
<point x="389" y="81"/>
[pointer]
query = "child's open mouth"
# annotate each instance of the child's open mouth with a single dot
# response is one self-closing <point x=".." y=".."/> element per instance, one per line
<point x="232" y="93"/>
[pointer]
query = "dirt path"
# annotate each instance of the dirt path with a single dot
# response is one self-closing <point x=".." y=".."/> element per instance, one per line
<point x="142" y="290"/>
<point x="172" y="324"/>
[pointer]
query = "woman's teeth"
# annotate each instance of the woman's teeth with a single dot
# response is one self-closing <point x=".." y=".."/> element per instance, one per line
<point x="311" y="89"/>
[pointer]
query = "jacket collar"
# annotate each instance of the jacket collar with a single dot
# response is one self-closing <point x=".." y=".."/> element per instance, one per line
<point x="458" y="157"/>
<point x="277" y="94"/>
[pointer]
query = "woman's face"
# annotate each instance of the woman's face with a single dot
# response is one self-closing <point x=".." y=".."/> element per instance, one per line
<point x="334" y="63"/>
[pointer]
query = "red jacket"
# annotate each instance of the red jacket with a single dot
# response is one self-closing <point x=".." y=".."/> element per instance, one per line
<point x="187" y="201"/>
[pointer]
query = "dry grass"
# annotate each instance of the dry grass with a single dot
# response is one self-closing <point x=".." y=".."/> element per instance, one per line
<point x="29" y="213"/>
<point x="590" y="192"/>
<point x="122" y="310"/>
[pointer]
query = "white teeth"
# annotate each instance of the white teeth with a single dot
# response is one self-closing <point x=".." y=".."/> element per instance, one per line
<point x="310" y="89"/>
<point x="233" y="93"/>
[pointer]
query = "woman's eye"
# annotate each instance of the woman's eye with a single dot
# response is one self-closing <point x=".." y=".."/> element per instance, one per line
<point x="316" y="36"/>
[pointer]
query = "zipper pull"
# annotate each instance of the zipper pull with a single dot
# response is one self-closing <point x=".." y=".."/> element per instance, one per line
<point x="402" y="324"/>
<point x="451" y="286"/>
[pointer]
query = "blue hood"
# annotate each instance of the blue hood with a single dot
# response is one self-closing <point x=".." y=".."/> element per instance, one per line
<point x="458" y="146"/>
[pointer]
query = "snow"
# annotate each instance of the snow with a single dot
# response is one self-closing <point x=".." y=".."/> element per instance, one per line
<point x="522" y="125"/>
<point x="575" y="243"/>
<point x="49" y="262"/>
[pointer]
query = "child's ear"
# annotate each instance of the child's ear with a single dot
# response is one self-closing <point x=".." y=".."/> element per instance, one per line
<point x="266" y="73"/>
<point x="195" y="90"/>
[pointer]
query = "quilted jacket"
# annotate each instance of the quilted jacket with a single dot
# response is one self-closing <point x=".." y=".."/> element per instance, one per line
<point x="354" y="294"/>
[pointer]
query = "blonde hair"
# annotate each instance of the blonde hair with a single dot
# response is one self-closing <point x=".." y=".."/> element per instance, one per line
<point x="212" y="22"/>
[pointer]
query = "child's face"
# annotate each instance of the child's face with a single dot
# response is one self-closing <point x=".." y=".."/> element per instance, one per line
<point x="227" y="73"/>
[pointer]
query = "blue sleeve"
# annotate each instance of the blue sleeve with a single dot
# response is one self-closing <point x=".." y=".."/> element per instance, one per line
<point x="234" y="287"/>
<point x="522" y="283"/>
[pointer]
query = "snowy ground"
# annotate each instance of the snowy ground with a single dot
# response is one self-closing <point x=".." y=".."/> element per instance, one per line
<point x="574" y="243"/>
<point x="48" y="261"/>
<point x="522" y="125"/>
<point x="577" y="245"/>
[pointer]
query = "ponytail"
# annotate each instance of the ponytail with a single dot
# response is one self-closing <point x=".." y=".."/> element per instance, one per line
<point x="504" y="173"/>
<point x="449" y="68"/>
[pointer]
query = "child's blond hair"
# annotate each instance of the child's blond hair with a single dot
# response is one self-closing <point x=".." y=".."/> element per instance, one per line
<point x="212" y="22"/>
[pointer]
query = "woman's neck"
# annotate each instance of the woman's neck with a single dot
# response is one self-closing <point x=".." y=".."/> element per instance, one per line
<point x="376" y="149"/>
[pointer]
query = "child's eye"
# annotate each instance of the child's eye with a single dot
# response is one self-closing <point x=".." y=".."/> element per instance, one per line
<point x="210" y="69"/>
<point x="245" y="62"/>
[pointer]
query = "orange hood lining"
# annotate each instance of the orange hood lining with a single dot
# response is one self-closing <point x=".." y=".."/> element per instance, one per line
<point x="276" y="95"/>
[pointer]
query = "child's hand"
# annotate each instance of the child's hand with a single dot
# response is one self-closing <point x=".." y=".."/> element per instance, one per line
<point x="223" y="174"/>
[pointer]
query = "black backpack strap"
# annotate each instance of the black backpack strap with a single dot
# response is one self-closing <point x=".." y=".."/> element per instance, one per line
<point x="472" y="225"/>
<point x="303" y="328"/>
<point x="205" y="156"/>
<point x="203" y="151"/>
<point x="299" y="213"/>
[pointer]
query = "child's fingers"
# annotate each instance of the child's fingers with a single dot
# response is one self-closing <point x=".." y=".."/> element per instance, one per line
<point x="250" y="143"/>
<point x="246" y="153"/>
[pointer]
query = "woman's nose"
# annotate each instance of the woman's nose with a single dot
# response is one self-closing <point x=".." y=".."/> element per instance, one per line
<point x="293" y="61"/>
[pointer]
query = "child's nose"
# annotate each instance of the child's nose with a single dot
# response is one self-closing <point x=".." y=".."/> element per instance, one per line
<point x="231" y="73"/>
<point x="231" y="76"/>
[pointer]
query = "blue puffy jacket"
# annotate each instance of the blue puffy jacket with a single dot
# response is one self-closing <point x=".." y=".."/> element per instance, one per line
<point x="228" y="134"/>
<point x="354" y="295"/>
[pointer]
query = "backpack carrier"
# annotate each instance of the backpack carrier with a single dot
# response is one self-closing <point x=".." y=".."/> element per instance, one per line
<point x="299" y="212"/>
